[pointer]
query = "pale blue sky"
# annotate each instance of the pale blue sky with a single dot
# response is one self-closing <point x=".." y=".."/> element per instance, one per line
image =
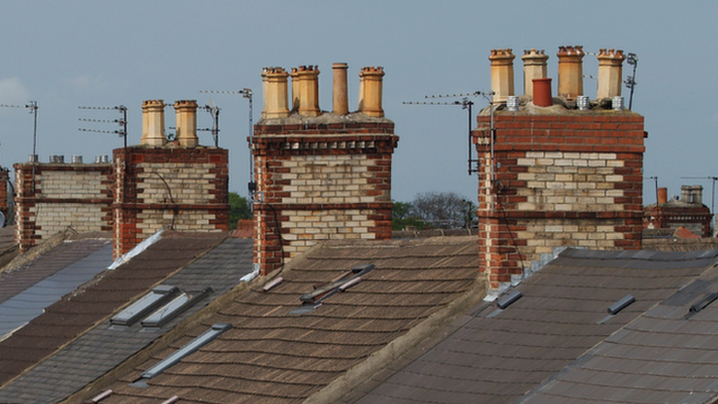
<point x="99" y="53"/>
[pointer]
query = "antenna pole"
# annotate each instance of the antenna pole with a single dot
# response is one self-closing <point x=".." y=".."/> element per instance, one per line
<point x="33" y="106"/>
<point x="631" y="80"/>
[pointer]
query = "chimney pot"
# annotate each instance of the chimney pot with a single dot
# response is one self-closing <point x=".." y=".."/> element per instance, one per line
<point x="309" y="90"/>
<point x="339" y="94"/>
<point x="274" y="87"/>
<point x="153" y="123"/>
<point x="186" y="123"/>
<point x="76" y="159"/>
<point x="542" y="92"/>
<point x="534" y="68"/>
<point x="662" y="195"/>
<point x="610" y="71"/>
<point x="502" y="74"/>
<point x="370" y="91"/>
<point x="570" y="71"/>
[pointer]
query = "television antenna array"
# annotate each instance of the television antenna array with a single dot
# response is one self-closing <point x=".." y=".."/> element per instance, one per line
<point x="32" y="106"/>
<point x="122" y="131"/>
<point x="466" y="104"/>
<point x="655" y="179"/>
<point x="246" y="93"/>
<point x="630" y="81"/>
<point x="214" y="112"/>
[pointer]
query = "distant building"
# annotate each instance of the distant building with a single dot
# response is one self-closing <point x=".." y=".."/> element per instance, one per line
<point x="688" y="212"/>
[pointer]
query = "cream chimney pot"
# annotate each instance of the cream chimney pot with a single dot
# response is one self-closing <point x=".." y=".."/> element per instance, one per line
<point x="371" y="91"/>
<point x="153" y="123"/>
<point x="534" y="68"/>
<point x="186" y="123"/>
<point x="502" y="73"/>
<point x="309" y="90"/>
<point x="340" y="99"/>
<point x="274" y="85"/>
<point x="570" y="71"/>
<point x="610" y="72"/>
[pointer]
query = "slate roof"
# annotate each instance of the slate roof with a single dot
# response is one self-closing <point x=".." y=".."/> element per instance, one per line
<point x="80" y="310"/>
<point x="105" y="346"/>
<point x="482" y="358"/>
<point x="273" y="356"/>
<point x="667" y="355"/>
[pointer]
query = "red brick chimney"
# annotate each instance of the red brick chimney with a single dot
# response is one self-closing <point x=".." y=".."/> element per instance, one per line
<point x="322" y="176"/>
<point x="565" y="177"/>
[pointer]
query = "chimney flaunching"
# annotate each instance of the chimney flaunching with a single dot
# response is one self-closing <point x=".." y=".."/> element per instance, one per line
<point x="502" y="74"/>
<point x="610" y="67"/>
<point x="570" y="71"/>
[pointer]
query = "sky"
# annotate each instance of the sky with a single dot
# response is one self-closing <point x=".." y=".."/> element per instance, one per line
<point x="66" y="54"/>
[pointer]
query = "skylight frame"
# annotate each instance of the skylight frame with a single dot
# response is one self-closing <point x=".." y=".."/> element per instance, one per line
<point x="173" y="308"/>
<point x="144" y="305"/>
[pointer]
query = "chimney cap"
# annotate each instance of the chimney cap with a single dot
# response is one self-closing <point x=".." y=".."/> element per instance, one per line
<point x="571" y="51"/>
<point x="610" y="54"/>
<point x="498" y="54"/>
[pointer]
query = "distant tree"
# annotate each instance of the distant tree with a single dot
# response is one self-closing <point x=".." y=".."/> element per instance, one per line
<point x="238" y="209"/>
<point x="401" y="217"/>
<point x="443" y="210"/>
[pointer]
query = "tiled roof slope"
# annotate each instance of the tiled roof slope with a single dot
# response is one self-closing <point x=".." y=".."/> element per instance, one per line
<point x="272" y="356"/>
<point x="668" y="355"/>
<point x="104" y="347"/>
<point x="80" y="310"/>
<point x="481" y="359"/>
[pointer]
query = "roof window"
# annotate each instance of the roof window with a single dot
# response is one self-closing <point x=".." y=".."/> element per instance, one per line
<point x="193" y="346"/>
<point x="144" y="305"/>
<point x="173" y="308"/>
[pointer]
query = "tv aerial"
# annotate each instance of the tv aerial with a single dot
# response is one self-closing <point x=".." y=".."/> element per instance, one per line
<point x="631" y="80"/>
<point x="32" y="106"/>
<point x="214" y="112"/>
<point x="465" y="104"/>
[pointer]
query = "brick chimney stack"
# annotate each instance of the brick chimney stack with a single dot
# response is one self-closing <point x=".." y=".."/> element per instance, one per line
<point x="339" y="94"/>
<point x="502" y="73"/>
<point x="534" y="68"/>
<point x="153" y="123"/>
<point x="186" y="122"/>
<point x="570" y="71"/>
<point x="308" y="90"/>
<point x="610" y="73"/>
<point x="370" y="91"/>
<point x="274" y="85"/>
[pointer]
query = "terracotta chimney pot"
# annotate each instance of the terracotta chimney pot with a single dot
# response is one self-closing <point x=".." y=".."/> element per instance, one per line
<point x="662" y="195"/>
<point x="610" y="73"/>
<point x="371" y="92"/>
<point x="309" y="91"/>
<point x="339" y="94"/>
<point x="570" y="71"/>
<point x="274" y="85"/>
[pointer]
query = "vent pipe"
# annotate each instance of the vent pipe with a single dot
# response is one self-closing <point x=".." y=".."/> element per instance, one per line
<point x="370" y="91"/>
<point x="610" y="70"/>
<point x="570" y="71"/>
<point x="339" y="92"/>
<point x="534" y="68"/>
<point x="502" y="74"/>
<point x="186" y="123"/>
<point x="274" y="85"/>
<point x="153" y="123"/>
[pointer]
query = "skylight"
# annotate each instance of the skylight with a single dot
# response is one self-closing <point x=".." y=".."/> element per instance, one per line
<point x="176" y="306"/>
<point x="144" y="305"/>
<point x="183" y="352"/>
